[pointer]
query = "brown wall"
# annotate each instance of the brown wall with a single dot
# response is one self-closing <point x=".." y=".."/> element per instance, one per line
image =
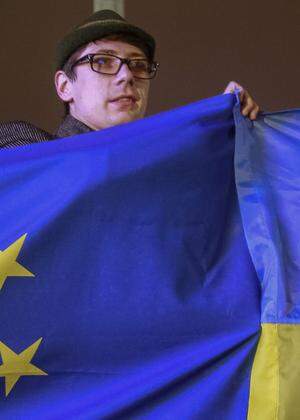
<point x="205" y="43"/>
<point x="201" y="46"/>
<point x="29" y="31"/>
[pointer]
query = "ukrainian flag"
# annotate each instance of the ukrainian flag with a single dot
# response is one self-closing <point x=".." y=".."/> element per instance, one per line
<point x="267" y="161"/>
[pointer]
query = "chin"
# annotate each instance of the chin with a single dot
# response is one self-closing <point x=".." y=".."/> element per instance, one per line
<point x="125" y="118"/>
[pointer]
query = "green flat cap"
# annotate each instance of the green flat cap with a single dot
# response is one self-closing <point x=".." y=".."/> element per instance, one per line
<point x="99" y="25"/>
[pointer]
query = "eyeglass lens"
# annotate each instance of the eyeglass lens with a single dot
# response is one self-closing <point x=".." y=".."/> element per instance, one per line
<point x="111" y="65"/>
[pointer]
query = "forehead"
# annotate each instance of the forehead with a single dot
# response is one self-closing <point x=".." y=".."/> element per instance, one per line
<point x="116" y="47"/>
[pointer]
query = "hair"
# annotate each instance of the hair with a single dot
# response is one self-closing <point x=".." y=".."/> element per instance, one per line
<point x="70" y="71"/>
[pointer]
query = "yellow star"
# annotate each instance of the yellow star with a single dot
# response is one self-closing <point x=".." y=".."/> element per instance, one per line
<point x="16" y="365"/>
<point x="8" y="264"/>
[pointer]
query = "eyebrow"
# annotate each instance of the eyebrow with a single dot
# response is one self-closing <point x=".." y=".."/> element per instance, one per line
<point x="113" y="52"/>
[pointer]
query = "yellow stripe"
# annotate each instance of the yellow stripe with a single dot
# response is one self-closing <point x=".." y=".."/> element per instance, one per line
<point x="263" y="402"/>
<point x="275" y="378"/>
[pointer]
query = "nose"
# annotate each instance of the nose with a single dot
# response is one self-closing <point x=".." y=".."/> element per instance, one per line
<point x="124" y="74"/>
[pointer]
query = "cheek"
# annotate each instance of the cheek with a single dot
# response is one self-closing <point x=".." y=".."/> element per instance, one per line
<point x="144" y="91"/>
<point x="93" y="93"/>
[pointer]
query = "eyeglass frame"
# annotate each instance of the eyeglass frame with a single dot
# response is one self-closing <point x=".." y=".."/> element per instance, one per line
<point x="89" y="59"/>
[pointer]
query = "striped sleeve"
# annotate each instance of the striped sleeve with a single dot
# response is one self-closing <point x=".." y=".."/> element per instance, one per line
<point x="20" y="133"/>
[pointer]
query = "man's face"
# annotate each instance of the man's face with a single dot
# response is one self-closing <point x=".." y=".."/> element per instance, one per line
<point x="101" y="100"/>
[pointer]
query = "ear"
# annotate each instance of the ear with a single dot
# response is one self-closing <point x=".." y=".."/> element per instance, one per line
<point x="63" y="86"/>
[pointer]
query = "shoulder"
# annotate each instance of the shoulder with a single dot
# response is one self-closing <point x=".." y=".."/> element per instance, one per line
<point x="20" y="133"/>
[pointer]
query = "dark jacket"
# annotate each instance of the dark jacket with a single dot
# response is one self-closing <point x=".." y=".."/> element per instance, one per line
<point x="20" y="133"/>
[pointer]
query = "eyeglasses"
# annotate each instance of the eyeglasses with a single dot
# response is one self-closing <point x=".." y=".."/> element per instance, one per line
<point x="111" y="64"/>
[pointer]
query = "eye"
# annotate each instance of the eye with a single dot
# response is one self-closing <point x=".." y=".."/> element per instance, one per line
<point x="103" y="60"/>
<point x="140" y="65"/>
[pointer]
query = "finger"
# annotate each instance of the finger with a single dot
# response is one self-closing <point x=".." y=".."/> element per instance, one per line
<point x="254" y="113"/>
<point x="228" y="88"/>
<point x="243" y="96"/>
<point x="248" y="106"/>
<point x="232" y="87"/>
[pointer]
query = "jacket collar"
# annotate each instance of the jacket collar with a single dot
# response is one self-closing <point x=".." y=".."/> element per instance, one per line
<point x="71" y="126"/>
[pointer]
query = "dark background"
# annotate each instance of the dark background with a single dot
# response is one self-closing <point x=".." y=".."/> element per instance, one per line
<point x="202" y="45"/>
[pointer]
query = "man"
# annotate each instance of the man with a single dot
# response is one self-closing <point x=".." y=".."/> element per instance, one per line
<point x="104" y="67"/>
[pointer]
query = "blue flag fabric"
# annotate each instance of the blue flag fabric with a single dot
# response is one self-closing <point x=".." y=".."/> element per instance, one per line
<point x="268" y="181"/>
<point x="126" y="286"/>
<point x="267" y="177"/>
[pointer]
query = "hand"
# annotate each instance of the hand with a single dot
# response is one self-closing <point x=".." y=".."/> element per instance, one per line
<point x="249" y="107"/>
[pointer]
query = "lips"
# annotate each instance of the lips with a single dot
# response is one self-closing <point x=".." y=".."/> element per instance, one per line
<point x="124" y="99"/>
<point x="124" y="103"/>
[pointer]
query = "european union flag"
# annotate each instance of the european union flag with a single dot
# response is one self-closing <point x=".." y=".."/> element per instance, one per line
<point x="128" y="288"/>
